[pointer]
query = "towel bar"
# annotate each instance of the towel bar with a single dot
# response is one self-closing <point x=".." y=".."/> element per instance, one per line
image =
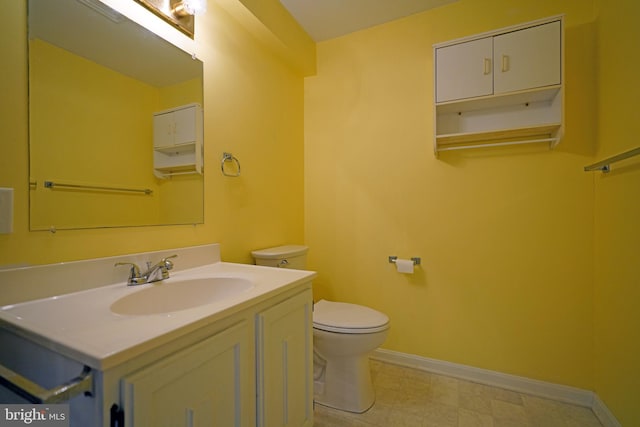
<point x="604" y="165"/>
<point x="34" y="393"/>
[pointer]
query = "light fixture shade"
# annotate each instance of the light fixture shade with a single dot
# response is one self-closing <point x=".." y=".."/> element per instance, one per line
<point x="195" y="7"/>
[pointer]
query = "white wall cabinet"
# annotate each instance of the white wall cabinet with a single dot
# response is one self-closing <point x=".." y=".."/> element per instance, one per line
<point x="285" y="363"/>
<point x="464" y="70"/>
<point x="503" y="87"/>
<point x="528" y="58"/>
<point x="178" y="141"/>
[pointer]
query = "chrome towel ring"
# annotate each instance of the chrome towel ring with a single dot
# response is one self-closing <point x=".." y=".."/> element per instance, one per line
<point x="228" y="157"/>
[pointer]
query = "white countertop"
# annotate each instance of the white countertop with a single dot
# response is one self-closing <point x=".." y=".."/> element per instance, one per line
<point x="80" y="325"/>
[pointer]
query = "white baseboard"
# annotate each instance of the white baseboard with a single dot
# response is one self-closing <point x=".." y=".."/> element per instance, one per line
<point x="516" y="383"/>
<point x="603" y="413"/>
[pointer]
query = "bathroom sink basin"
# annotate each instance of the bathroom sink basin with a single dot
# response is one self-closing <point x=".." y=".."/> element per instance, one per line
<point x="169" y="296"/>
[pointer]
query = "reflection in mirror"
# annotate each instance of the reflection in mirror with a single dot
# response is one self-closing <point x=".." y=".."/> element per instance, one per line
<point x="96" y="81"/>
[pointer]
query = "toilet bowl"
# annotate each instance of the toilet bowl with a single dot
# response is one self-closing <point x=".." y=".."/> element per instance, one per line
<point x="344" y="335"/>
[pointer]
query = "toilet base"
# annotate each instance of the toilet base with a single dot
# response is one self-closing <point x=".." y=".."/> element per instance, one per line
<point x="346" y="385"/>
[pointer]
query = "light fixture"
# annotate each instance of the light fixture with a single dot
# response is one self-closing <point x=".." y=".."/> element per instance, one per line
<point x="179" y="13"/>
<point x="189" y="7"/>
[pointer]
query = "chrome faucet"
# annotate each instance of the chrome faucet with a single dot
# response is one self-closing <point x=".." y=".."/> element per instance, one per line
<point x="154" y="273"/>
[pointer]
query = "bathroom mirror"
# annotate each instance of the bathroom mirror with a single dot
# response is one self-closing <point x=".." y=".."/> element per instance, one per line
<point x="96" y="79"/>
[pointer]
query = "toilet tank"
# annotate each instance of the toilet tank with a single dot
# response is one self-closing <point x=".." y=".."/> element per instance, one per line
<point x="289" y="256"/>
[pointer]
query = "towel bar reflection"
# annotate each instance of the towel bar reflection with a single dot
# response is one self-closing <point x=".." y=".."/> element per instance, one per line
<point x="51" y="184"/>
<point x="228" y="157"/>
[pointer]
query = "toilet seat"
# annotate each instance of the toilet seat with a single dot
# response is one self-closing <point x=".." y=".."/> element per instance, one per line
<point x="345" y="318"/>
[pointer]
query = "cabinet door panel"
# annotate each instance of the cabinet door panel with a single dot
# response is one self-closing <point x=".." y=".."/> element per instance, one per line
<point x="185" y="120"/>
<point x="285" y="364"/>
<point x="163" y="130"/>
<point x="206" y="385"/>
<point x="528" y="58"/>
<point x="464" y="70"/>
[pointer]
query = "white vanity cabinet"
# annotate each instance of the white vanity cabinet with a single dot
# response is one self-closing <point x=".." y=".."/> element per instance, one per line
<point x="250" y="368"/>
<point x="504" y="87"/>
<point x="178" y="140"/>
<point x="237" y="357"/>
<point x="207" y="384"/>
<point x="256" y="371"/>
<point x="285" y="363"/>
<point x="234" y="375"/>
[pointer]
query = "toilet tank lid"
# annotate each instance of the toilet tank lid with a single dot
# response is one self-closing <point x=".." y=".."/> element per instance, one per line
<point x="348" y="316"/>
<point x="280" y="252"/>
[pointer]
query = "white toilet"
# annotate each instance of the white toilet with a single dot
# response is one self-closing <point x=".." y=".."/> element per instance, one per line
<point x="343" y="337"/>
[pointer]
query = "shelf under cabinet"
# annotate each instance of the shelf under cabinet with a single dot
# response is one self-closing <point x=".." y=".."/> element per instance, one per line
<point x="544" y="94"/>
<point x="177" y="168"/>
<point x="177" y="149"/>
<point x="546" y="131"/>
<point x="531" y="115"/>
<point x="176" y="160"/>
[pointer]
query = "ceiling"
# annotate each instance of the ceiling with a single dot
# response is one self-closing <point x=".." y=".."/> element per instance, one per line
<point x="327" y="19"/>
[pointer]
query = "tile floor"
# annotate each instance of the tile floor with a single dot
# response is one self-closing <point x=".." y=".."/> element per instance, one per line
<point x="408" y="397"/>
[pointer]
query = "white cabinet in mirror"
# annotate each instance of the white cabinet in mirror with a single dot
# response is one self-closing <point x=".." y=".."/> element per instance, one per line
<point x="177" y="141"/>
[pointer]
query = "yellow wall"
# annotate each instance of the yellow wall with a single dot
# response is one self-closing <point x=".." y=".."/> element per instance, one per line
<point x="617" y="212"/>
<point x="505" y="234"/>
<point x="74" y="104"/>
<point x="253" y="103"/>
<point x="181" y="94"/>
<point x="508" y="237"/>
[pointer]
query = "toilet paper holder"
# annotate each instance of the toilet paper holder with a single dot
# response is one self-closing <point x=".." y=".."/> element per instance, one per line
<point x="392" y="260"/>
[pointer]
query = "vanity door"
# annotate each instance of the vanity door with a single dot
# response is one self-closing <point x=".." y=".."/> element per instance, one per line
<point x="285" y="363"/>
<point x="206" y="385"/>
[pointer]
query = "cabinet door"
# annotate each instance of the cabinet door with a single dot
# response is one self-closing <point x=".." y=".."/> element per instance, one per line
<point x="163" y="130"/>
<point x="464" y="70"/>
<point x="285" y="363"/>
<point x="185" y="125"/>
<point x="206" y="385"/>
<point x="528" y="58"/>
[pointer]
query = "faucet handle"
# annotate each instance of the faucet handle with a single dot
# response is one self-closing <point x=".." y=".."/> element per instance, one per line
<point x="135" y="270"/>
<point x="168" y="264"/>
<point x="160" y="270"/>
<point x="134" y="274"/>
